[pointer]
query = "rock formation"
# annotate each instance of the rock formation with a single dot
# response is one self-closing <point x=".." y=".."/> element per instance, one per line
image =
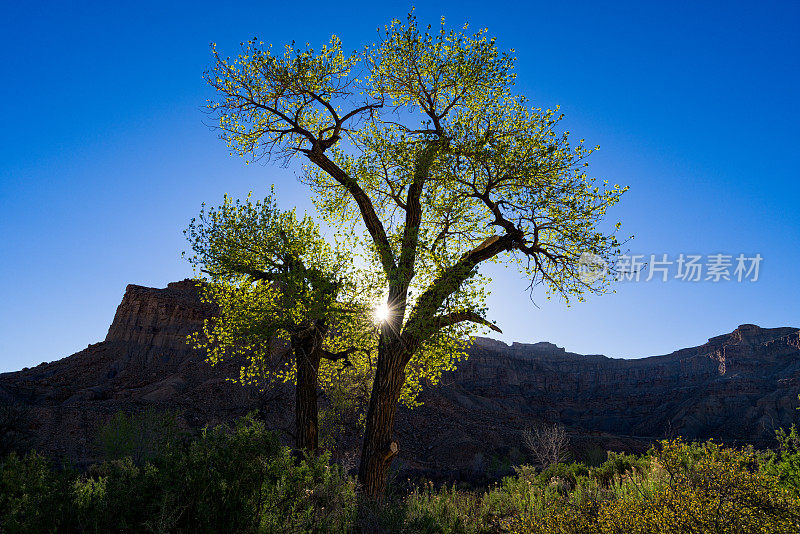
<point x="738" y="387"/>
<point x="144" y="361"/>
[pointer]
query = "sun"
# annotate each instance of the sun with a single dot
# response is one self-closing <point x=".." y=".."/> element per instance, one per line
<point x="381" y="313"/>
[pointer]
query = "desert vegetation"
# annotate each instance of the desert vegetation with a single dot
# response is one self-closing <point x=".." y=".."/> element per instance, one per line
<point x="240" y="479"/>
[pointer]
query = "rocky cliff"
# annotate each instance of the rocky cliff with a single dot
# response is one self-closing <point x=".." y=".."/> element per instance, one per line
<point x="144" y="361"/>
<point x="737" y="387"/>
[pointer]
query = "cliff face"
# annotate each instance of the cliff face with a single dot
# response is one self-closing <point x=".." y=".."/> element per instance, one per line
<point x="738" y="386"/>
<point x="144" y="361"/>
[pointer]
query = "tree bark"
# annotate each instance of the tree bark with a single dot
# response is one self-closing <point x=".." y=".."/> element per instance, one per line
<point x="379" y="449"/>
<point x="307" y="358"/>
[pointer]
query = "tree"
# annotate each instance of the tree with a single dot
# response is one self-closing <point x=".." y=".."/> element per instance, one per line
<point x="549" y="444"/>
<point x="419" y="140"/>
<point x="273" y="277"/>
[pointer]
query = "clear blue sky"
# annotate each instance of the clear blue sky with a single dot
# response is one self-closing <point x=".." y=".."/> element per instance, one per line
<point x="104" y="155"/>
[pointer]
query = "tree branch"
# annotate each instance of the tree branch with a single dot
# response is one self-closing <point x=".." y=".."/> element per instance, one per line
<point x="443" y="321"/>
<point x="420" y="324"/>
<point x="371" y="220"/>
<point x="336" y="356"/>
<point x="408" y="249"/>
<point x="253" y="273"/>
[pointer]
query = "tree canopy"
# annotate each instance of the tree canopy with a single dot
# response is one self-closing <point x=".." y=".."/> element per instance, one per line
<point x="420" y="141"/>
<point x="273" y="276"/>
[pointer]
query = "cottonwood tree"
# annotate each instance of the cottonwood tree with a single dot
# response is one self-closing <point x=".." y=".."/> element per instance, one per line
<point x="420" y="140"/>
<point x="274" y="278"/>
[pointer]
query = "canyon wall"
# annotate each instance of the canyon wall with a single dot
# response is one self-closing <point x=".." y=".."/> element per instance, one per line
<point x="738" y="387"/>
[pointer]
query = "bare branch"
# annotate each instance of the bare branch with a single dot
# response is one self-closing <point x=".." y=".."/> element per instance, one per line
<point x="443" y="321"/>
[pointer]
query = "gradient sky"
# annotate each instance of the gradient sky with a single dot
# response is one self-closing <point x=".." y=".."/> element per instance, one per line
<point x="105" y="156"/>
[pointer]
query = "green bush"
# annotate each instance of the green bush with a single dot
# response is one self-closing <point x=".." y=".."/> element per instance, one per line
<point x="677" y="488"/>
<point x="785" y="463"/>
<point x="140" y="436"/>
<point x="247" y="482"/>
<point x="704" y="488"/>
<point x="567" y="475"/>
<point x="225" y="480"/>
<point x="34" y="497"/>
<point x="242" y="480"/>
<point x="444" y="511"/>
<point x="618" y="465"/>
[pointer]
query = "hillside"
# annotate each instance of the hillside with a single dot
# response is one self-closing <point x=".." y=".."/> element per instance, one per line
<point x="736" y="387"/>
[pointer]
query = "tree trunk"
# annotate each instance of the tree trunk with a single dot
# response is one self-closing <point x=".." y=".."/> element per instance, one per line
<point x="307" y="359"/>
<point x="379" y="449"/>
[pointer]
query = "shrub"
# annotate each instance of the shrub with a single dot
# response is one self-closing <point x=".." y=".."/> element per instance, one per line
<point x="245" y="481"/>
<point x="447" y="510"/>
<point x="241" y="480"/>
<point x="679" y="488"/>
<point x="785" y="464"/>
<point x="225" y="480"/>
<point x="570" y="474"/>
<point x="619" y="465"/>
<point x="704" y="488"/>
<point x="120" y="496"/>
<point x="141" y="436"/>
<point x="34" y="497"/>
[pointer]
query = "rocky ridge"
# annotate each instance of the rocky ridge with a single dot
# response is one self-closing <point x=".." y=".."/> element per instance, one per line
<point x="737" y="387"/>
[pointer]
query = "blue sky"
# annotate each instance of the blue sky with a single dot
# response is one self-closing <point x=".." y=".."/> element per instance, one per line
<point x="105" y="156"/>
